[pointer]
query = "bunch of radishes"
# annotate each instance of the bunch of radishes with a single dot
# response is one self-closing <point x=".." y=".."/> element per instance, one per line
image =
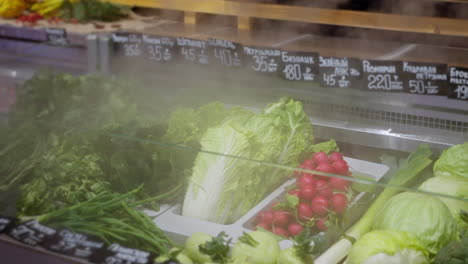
<point x="320" y="198"/>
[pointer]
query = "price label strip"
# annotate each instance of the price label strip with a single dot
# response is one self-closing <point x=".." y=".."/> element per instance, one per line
<point x="160" y="49"/>
<point x="226" y="53"/>
<point x="382" y="76"/>
<point x="73" y="244"/>
<point x="299" y="66"/>
<point x="57" y="36"/>
<point x="194" y="51"/>
<point x="458" y="79"/>
<point x="32" y="233"/>
<point x="6" y="223"/>
<point x="340" y="72"/>
<point x="266" y="60"/>
<point x="425" y="78"/>
<point x="127" y="44"/>
<point x="117" y="254"/>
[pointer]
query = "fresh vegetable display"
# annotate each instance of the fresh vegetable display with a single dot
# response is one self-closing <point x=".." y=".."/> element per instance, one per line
<point x="408" y="170"/>
<point x="223" y="188"/>
<point x="456" y="252"/>
<point x="112" y="218"/>
<point x="12" y="8"/>
<point x="388" y="246"/>
<point x="425" y="216"/>
<point x="314" y="201"/>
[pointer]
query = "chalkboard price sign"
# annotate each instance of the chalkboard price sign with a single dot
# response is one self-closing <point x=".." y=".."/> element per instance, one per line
<point x="425" y="78"/>
<point x="128" y="44"/>
<point x="57" y="36"/>
<point x="73" y="244"/>
<point x="340" y="72"/>
<point x="263" y="59"/>
<point x="226" y="53"/>
<point x="194" y="50"/>
<point x="116" y="253"/>
<point x="32" y="233"/>
<point x="159" y="49"/>
<point x="299" y="66"/>
<point x="458" y="83"/>
<point x="382" y="75"/>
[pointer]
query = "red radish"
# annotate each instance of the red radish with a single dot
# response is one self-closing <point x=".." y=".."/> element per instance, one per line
<point x="295" y="229"/>
<point x="339" y="203"/>
<point x="264" y="226"/>
<point x="295" y="193"/>
<point x="341" y="167"/>
<point x="319" y="184"/>
<point x="335" y="156"/>
<point x="309" y="164"/>
<point x="299" y="173"/>
<point x="325" y="191"/>
<point x="266" y="218"/>
<point x="320" y="157"/>
<point x="280" y="231"/>
<point x="306" y="179"/>
<point x="339" y="184"/>
<point x="308" y="192"/>
<point x="320" y="205"/>
<point x="305" y="211"/>
<point x="280" y="218"/>
<point x="322" y="224"/>
<point x="324" y="167"/>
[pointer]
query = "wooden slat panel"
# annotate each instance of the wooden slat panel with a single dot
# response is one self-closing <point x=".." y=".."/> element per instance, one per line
<point x="431" y="25"/>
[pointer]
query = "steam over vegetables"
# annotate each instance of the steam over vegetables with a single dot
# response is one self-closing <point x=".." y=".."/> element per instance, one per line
<point x="223" y="188"/>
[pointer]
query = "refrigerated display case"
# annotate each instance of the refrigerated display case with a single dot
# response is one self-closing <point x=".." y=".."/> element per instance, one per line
<point x="136" y="140"/>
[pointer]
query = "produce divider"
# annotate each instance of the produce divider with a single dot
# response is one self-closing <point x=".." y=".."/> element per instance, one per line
<point x="334" y="72"/>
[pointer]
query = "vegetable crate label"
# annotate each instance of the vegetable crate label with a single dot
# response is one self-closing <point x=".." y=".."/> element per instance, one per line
<point x="117" y="254"/>
<point x="299" y="66"/>
<point x="32" y="233"/>
<point x="159" y="49"/>
<point x="425" y="78"/>
<point x="266" y="60"/>
<point x="194" y="51"/>
<point x="57" y="36"/>
<point x="73" y="244"/>
<point x="340" y="72"/>
<point x="458" y="83"/>
<point x="226" y="53"/>
<point x="129" y="45"/>
<point x="6" y="223"/>
<point x="382" y="75"/>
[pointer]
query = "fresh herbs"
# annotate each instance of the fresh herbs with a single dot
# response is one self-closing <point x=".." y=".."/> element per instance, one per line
<point x="217" y="248"/>
<point x="88" y="10"/>
<point x="112" y="218"/>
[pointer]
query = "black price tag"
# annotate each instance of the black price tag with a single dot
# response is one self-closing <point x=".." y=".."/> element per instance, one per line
<point x="340" y="72"/>
<point x="160" y="49"/>
<point x="117" y="254"/>
<point x="262" y="59"/>
<point x="127" y="44"/>
<point x="226" y="53"/>
<point x="32" y="233"/>
<point x="194" y="51"/>
<point x="57" y="36"/>
<point x="382" y="75"/>
<point x="425" y="78"/>
<point x="73" y="244"/>
<point x="6" y="223"/>
<point x="299" y="66"/>
<point x="458" y="83"/>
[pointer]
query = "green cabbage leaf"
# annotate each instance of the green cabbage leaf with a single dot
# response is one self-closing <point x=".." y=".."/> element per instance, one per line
<point x="423" y="215"/>
<point x="453" y="162"/>
<point x="388" y="246"/>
